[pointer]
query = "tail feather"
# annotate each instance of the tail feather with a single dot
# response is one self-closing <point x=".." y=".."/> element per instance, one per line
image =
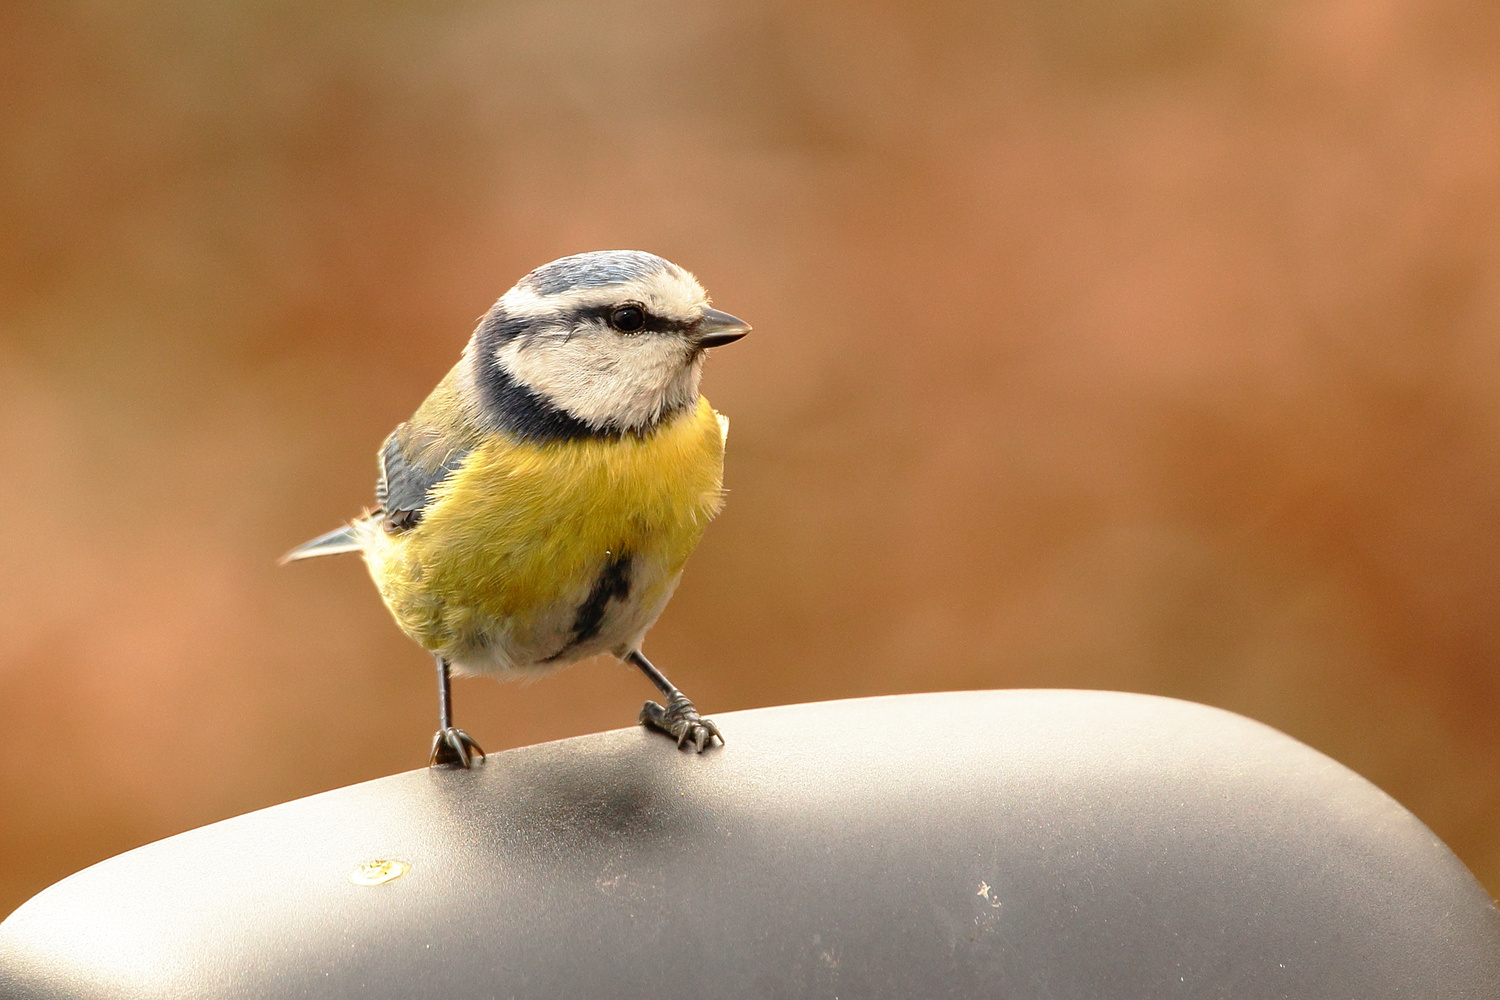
<point x="338" y="540"/>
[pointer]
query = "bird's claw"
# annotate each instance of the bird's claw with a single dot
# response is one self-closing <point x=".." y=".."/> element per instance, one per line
<point x="454" y="746"/>
<point x="681" y="721"/>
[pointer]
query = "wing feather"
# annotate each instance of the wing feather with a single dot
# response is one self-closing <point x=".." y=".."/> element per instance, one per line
<point x="423" y="452"/>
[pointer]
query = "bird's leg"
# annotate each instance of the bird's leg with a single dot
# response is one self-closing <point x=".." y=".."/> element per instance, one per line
<point x="679" y="719"/>
<point x="450" y="745"/>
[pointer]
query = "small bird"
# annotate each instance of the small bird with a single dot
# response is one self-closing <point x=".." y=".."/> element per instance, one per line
<point x="539" y="506"/>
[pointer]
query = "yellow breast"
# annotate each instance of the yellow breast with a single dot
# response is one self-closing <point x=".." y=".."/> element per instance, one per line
<point x="521" y="529"/>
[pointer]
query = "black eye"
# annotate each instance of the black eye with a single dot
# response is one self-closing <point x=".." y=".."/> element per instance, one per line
<point x="628" y="319"/>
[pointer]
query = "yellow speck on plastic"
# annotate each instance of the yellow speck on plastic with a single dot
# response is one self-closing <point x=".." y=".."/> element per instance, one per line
<point x="379" y="872"/>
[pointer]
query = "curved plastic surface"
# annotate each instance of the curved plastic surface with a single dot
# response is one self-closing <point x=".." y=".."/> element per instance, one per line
<point x="1018" y="844"/>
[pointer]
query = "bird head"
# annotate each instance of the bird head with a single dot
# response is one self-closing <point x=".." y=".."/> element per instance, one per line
<point x="614" y="339"/>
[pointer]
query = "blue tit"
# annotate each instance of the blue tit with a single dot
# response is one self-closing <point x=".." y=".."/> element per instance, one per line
<point x="539" y="506"/>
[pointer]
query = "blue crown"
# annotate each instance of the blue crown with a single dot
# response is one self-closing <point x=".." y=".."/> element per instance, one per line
<point x="598" y="269"/>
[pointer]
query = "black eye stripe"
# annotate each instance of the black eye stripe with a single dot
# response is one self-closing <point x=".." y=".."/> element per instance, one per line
<point x="652" y="324"/>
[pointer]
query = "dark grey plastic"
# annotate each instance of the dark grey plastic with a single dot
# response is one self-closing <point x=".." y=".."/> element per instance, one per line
<point x="1016" y="844"/>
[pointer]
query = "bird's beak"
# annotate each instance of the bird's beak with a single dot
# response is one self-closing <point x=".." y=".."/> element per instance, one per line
<point x="717" y="328"/>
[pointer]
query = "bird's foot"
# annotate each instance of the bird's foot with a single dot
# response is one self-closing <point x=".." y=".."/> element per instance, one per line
<point x="681" y="721"/>
<point x="454" y="746"/>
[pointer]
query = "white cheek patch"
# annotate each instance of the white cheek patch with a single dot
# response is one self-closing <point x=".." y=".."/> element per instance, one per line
<point x="604" y="378"/>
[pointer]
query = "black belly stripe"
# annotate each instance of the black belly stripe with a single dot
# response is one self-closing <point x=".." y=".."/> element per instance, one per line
<point x="613" y="583"/>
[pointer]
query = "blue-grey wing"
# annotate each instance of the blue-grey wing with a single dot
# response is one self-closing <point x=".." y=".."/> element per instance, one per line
<point x="412" y="461"/>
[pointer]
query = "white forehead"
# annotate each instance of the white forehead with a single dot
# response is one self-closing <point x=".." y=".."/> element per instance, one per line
<point x="606" y="278"/>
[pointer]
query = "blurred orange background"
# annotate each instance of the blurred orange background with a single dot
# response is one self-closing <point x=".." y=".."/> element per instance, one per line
<point x="1148" y="345"/>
